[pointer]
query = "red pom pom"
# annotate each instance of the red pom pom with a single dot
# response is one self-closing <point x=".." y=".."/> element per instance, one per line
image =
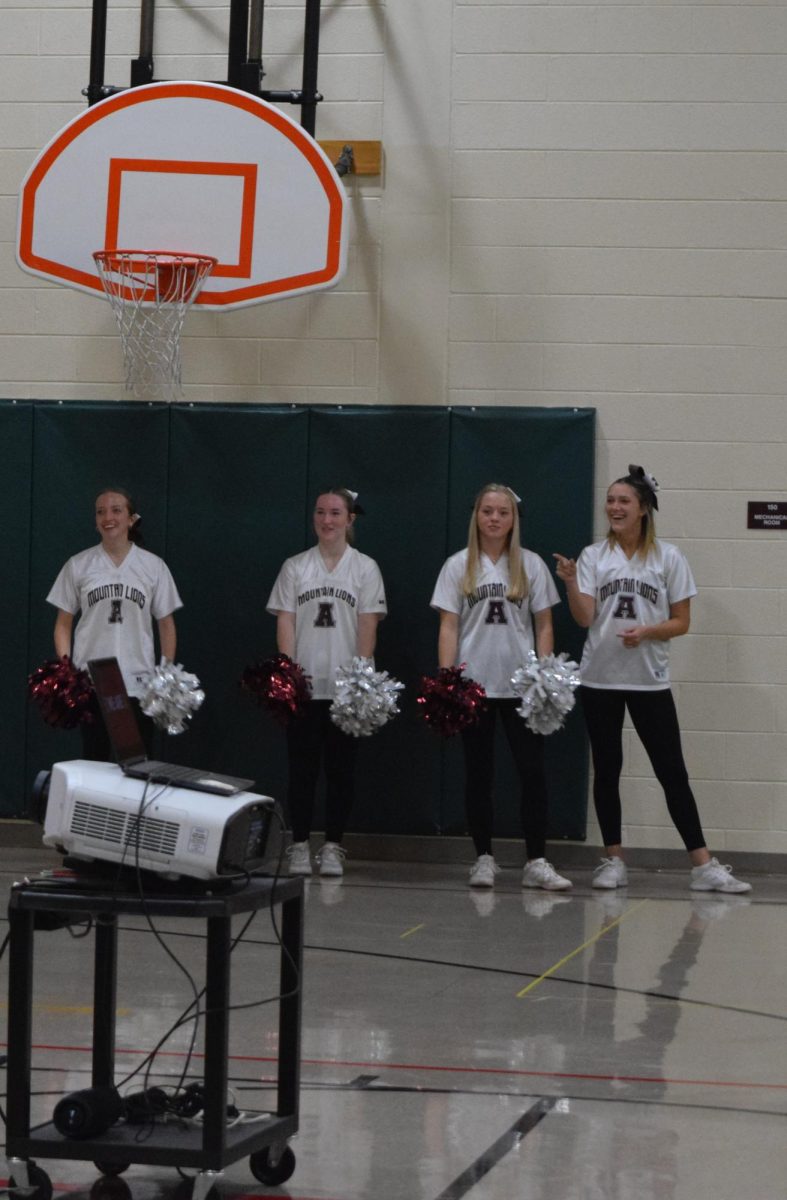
<point x="449" y="702"/>
<point x="278" y="684"/>
<point x="64" y="695"/>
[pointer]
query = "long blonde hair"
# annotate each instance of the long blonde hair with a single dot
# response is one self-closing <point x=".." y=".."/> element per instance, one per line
<point x="647" y="525"/>
<point x="518" y="584"/>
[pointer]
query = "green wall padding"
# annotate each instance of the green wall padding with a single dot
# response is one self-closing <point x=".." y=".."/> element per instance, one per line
<point x="237" y="508"/>
<point x="226" y="494"/>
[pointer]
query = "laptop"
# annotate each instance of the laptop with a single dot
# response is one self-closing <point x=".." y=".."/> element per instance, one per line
<point x="123" y="731"/>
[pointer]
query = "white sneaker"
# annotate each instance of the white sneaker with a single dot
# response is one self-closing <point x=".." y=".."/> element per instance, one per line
<point x="610" y="873"/>
<point x="484" y="871"/>
<point x="539" y="873"/>
<point x="713" y="877"/>
<point x="300" y="859"/>
<point x="331" y="859"/>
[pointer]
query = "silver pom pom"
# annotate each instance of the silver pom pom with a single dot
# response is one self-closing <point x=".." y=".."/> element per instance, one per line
<point x="171" y="696"/>
<point x="547" y="687"/>
<point x="364" y="699"/>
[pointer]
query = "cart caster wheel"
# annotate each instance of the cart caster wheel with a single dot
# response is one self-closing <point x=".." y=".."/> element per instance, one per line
<point x="262" y="1169"/>
<point x="108" y="1168"/>
<point x="37" y="1179"/>
<point x="110" y="1187"/>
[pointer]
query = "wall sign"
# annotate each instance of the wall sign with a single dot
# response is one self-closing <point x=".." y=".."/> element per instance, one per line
<point x="767" y="514"/>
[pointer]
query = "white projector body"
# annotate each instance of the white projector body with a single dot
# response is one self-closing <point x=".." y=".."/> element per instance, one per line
<point x="93" y="812"/>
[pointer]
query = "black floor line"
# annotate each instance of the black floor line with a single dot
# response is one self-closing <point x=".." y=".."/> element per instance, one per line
<point x="586" y="983"/>
<point x="374" y="1083"/>
<point x="499" y="1093"/>
<point x="498" y="1150"/>
<point x="482" y="968"/>
<point x="380" y="1088"/>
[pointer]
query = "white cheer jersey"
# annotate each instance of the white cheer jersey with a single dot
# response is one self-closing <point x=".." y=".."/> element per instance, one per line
<point x="117" y="607"/>
<point x="327" y="605"/>
<point x="628" y="592"/>
<point x="495" y="633"/>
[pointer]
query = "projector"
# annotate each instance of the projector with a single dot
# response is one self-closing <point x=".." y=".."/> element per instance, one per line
<point x="93" y="812"/>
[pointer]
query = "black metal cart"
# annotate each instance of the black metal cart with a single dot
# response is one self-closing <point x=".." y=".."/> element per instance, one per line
<point x="213" y="1146"/>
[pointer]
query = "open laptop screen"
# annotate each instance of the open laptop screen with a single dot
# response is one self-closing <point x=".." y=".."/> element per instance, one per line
<point x="119" y="718"/>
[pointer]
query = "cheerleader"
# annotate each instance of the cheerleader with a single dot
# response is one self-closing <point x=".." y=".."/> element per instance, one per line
<point x="632" y="592"/>
<point x="491" y="597"/>
<point x="327" y="602"/>
<point x="118" y="590"/>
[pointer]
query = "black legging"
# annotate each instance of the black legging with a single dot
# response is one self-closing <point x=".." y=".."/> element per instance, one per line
<point x="313" y="738"/>
<point x="656" y="722"/>
<point x="528" y="751"/>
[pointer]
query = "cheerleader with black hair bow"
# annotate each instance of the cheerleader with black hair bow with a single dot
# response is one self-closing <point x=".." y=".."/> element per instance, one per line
<point x="633" y="592"/>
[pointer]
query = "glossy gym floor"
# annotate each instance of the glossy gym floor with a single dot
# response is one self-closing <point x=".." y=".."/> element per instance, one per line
<point x="583" y="1046"/>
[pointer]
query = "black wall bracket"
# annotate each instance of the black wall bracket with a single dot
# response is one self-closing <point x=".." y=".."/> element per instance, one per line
<point x="244" y="57"/>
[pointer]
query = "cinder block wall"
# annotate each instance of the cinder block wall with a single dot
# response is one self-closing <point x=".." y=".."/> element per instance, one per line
<point x="581" y="204"/>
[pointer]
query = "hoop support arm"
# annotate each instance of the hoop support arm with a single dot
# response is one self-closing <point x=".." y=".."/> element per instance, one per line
<point x="244" y="58"/>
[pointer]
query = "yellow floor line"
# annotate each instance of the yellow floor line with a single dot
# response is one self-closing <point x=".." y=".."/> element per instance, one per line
<point x="556" y="966"/>
<point x="414" y="929"/>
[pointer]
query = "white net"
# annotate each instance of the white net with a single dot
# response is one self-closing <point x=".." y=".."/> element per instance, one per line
<point x="150" y="292"/>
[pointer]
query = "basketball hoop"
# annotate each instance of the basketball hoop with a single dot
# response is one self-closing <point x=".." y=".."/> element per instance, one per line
<point x="150" y="292"/>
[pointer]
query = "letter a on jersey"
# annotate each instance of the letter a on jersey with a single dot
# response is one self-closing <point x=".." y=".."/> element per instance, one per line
<point x="495" y="613"/>
<point x="626" y="609"/>
<point x="324" y="617"/>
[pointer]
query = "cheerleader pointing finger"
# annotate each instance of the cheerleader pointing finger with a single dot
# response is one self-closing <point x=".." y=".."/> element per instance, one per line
<point x="633" y="592"/>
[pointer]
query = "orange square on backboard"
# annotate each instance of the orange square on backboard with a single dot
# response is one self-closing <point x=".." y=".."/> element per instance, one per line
<point x="245" y="172"/>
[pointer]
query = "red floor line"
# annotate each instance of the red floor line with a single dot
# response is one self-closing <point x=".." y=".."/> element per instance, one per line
<point x="80" y="1187"/>
<point x="516" y="1071"/>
